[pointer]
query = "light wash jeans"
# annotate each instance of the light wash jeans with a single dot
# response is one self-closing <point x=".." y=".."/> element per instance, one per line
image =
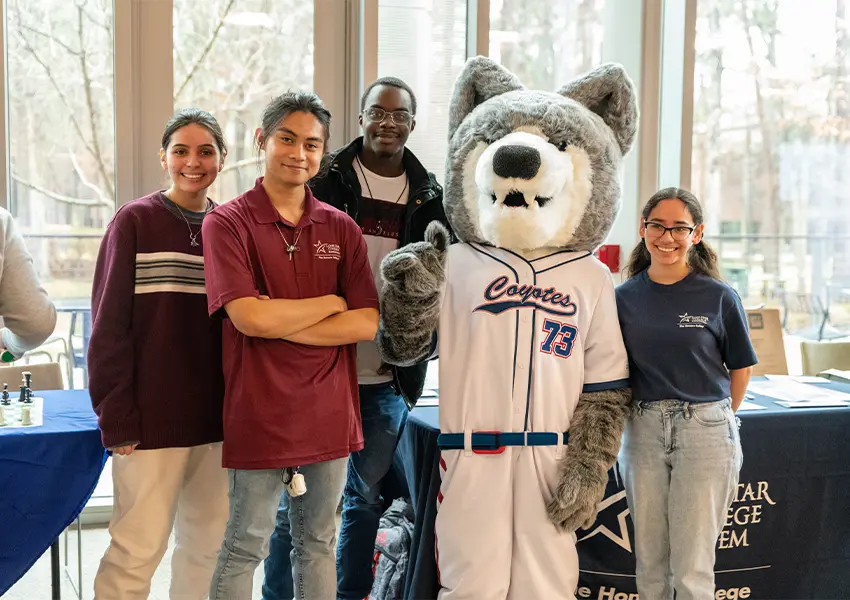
<point x="383" y="412"/>
<point x="680" y="465"/>
<point x="254" y="499"/>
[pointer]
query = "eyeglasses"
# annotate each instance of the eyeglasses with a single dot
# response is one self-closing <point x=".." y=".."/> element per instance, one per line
<point x="377" y="115"/>
<point x="679" y="232"/>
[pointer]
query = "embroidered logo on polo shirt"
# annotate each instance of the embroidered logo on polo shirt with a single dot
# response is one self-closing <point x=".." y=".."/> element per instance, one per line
<point x="687" y="320"/>
<point x="326" y="251"/>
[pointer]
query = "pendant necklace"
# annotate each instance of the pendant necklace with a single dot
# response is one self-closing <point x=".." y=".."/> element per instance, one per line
<point x="293" y="247"/>
<point x="193" y="237"/>
<point x="379" y="229"/>
<point x="368" y="187"/>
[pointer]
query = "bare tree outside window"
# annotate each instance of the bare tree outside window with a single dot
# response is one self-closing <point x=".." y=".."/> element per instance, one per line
<point x="231" y="58"/>
<point x="771" y="148"/>
<point x="546" y="42"/>
<point x="61" y="141"/>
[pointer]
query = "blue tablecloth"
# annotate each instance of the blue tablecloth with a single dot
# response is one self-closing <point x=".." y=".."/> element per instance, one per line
<point x="47" y="475"/>
<point x="787" y="534"/>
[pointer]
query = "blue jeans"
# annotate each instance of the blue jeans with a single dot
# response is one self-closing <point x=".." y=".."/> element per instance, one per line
<point x="383" y="413"/>
<point x="680" y="464"/>
<point x="254" y="498"/>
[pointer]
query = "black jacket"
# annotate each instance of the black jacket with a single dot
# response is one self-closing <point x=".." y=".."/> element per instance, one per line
<point x="338" y="186"/>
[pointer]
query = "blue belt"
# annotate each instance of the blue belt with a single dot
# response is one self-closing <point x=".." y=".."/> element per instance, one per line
<point x="494" y="442"/>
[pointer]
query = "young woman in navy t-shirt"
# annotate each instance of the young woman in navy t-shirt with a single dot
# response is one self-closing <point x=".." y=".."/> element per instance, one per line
<point x="690" y="360"/>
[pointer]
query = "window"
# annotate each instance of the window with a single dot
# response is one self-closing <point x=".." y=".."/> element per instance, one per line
<point x="546" y="42"/>
<point x="61" y="135"/>
<point x="424" y="43"/>
<point x="771" y="144"/>
<point x="231" y="58"/>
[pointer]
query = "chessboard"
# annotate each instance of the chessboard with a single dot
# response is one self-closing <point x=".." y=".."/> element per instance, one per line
<point x="25" y="410"/>
<point x="13" y="415"/>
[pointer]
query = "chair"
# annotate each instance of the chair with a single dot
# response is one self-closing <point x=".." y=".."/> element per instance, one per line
<point x="60" y="354"/>
<point x="45" y="376"/>
<point x="820" y="356"/>
<point x="819" y="328"/>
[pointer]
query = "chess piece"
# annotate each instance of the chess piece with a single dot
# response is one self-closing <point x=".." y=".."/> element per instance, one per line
<point x="5" y="401"/>
<point x="26" y="415"/>
<point x="28" y="385"/>
<point x="22" y="392"/>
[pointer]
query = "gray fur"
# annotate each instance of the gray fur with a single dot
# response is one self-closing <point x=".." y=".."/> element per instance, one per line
<point x="595" y="432"/>
<point x="608" y="92"/>
<point x="480" y="80"/>
<point x="495" y="103"/>
<point x="414" y="280"/>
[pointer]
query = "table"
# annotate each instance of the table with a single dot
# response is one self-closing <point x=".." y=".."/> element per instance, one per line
<point x="787" y="534"/>
<point x="47" y="475"/>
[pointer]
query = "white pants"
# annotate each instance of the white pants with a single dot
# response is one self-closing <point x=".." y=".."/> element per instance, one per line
<point x="494" y="538"/>
<point x="152" y="487"/>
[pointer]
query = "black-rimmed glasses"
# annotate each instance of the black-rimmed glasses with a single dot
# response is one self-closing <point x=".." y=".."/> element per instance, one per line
<point x="377" y="115"/>
<point x="679" y="232"/>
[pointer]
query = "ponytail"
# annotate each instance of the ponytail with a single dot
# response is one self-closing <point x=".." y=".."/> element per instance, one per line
<point x="639" y="260"/>
<point x="703" y="259"/>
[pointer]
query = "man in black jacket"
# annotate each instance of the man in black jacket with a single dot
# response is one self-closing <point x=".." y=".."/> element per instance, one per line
<point x="387" y="191"/>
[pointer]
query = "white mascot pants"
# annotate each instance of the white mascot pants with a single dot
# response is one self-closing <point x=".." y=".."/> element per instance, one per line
<point x="494" y="539"/>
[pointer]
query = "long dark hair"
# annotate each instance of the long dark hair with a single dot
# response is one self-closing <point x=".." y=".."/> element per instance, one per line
<point x="701" y="257"/>
<point x="196" y="116"/>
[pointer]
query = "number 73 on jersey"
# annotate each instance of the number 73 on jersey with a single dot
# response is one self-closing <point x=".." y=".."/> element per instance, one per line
<point x="559" y="338"/>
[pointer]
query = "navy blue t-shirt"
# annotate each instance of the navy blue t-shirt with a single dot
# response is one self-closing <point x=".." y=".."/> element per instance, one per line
<point x="683" y="338"/>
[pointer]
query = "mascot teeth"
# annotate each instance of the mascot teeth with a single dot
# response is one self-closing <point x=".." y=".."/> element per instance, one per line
<point x="517" y="199"/>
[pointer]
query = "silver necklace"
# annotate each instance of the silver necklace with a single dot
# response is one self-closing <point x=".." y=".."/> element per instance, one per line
<point x="293" y="247"/>
<point x="193" y="237"/>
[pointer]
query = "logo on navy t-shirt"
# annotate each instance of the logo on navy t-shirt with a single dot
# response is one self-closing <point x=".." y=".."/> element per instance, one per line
<point x="687" y="320"/>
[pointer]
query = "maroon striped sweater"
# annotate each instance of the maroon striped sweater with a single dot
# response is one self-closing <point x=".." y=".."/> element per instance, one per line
<point x="154" y="359"/>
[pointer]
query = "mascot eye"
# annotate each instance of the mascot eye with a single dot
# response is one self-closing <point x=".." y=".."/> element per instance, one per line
<point x="559" y="145"/>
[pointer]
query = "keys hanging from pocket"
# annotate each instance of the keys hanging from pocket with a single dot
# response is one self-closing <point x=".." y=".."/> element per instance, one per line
<point x="295" y="482"/>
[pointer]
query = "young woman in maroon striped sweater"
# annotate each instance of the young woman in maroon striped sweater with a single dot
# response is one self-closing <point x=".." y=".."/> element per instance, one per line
<point x="155" y="375"/>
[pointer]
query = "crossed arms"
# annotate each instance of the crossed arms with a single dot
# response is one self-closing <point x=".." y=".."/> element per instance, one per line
<point x="321" y="321"/>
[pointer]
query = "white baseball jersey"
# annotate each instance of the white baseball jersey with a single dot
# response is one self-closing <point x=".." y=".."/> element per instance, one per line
<point x="520" y="340"/>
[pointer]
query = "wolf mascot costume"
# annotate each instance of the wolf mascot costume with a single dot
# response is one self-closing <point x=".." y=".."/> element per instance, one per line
<point x="533" y="371"/>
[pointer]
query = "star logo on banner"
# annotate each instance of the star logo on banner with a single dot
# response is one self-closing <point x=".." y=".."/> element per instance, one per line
<point x="609" y="504"/>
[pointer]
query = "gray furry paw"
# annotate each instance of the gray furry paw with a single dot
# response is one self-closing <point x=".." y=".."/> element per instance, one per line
<point x="580" y="489"/>
<point x="418" y="269"/>
<point x="414" y="278"/>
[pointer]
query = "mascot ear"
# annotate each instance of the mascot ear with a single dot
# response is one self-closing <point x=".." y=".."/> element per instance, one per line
<point x="480" y="80"/>
<point x="609" y="92"/>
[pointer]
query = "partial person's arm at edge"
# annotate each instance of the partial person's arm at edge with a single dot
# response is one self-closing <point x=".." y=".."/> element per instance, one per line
<point x="740" y="378"/>
<point x="275" y="319"/>
<point x="350" y="327"/>
<point x="29" y="316"/>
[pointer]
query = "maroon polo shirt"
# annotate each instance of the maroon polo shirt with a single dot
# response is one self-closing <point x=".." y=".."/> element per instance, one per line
<point x="286" y="404"/>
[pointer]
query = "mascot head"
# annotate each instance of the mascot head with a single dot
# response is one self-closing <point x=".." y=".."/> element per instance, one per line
<point x="530" y="169"/>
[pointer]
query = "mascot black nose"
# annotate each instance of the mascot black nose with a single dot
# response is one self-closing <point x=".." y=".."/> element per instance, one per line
<point x="521" y="162"/>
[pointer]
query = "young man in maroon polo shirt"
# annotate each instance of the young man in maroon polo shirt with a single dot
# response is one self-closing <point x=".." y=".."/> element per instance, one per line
<point x="291" y="277"/>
